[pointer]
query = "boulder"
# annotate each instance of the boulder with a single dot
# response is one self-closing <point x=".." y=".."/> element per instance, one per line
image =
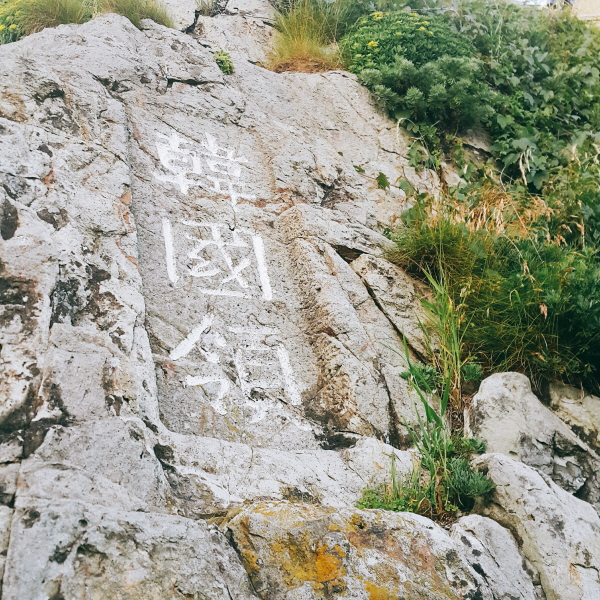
<point x="294" y="551"/>
<point x="493" y="553"/>
<point x="69" y="549"/>
<point x="557" y="533"/>
<point x="509" y="418"/>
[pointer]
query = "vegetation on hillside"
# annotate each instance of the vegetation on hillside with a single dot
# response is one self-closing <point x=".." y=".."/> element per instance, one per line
<point x="512" y="253"/>
<point x="19" y="18"/>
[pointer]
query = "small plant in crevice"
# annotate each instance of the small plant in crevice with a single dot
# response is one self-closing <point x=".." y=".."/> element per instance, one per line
<point x="442" y="481"/>
<point x="224" y="62"/>
<point x="210" y="8"/>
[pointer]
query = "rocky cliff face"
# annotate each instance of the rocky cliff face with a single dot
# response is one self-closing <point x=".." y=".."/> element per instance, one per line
<point x="198" y="322"/>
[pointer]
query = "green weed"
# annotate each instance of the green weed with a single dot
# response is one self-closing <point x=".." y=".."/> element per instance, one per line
<point x="224" y="62"/>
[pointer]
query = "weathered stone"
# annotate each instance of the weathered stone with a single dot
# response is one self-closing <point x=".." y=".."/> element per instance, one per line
<point x="557" y="533"/>
<point x="493" y="553"/>
<point x="579" y="410"/>
<point x="509" y="418"/>
<point x="6" y="515"/>
<point x="8" y="482"/>
<point x="67" y="549"/>
<point x="294" y="551"/>
<point x="397" y="295"/>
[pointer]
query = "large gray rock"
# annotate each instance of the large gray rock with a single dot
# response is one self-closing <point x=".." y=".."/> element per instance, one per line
<point x="68" y="549"/>
<point x="294" y="551"/>
<point x="181" y="330"/>
<point x="557" y="533"/>
<point x="509" y="418"/>
<point x="493" y="553"/>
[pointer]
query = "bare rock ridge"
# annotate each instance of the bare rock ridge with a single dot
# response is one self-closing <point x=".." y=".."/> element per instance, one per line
<point x="200" y="342"/>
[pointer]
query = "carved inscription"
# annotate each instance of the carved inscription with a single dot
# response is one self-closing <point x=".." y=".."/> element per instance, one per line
<point x="222" y="261"/>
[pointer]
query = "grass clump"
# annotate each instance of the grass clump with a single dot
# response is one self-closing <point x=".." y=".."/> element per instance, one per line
<point x="526" y="278"/>
<point x="309" y="31"/>
<point x="19" y="18"/>
<point x="442" y="481"/>
<point x="136" y="10"/>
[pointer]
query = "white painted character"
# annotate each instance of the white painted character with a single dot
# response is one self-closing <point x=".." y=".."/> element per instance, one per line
<point x="224" y="262"/>
<point x="179" y="158"/>
<point x="261" y="360"/>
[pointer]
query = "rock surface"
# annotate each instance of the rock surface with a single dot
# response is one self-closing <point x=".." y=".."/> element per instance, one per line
<point x="299" y="551"/>
<point x="509" y="418"/>
<point x="493" y="553"/>
<point x="74" y="550"/>
<point x="558" y="534"/>
<point x="579" y="410"/>
<point x="197" y="320"/>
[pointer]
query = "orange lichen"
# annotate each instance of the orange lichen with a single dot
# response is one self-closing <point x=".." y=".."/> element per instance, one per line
<point x="378" y="592"/>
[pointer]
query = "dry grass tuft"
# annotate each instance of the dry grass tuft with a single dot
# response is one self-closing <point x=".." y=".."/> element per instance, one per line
<point x="305" y="40"/>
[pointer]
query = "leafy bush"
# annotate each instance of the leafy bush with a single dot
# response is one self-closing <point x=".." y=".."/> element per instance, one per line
<point x="465" y="484"/>
<point x="543" y="66"/>
<point x="529" y="76"/>
<point x="379" y="39"/>
<point x="419" y="69"/>
<point x="224" y="62"/>
<point x="19" y="18"/>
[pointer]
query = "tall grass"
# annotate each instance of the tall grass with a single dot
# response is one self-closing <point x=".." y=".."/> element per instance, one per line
<point x="309" y="30"/>
<point x="19" y="18"/>
<point x="305" y="41"/>
<point x="36" y="15"/>
<point x="136" y="10"/>
<point x="531" y="303"/>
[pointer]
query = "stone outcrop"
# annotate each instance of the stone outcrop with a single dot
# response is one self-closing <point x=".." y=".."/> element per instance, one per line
<point x="300" y="551"/>
<point x="493" y="553"/>
<point x="557" y="533"/>
<point x="201" y="338"/>
<point x="510" y="419"/>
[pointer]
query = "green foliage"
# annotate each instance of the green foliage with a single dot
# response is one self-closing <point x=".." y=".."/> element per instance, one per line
<point x="464" y="484"/>
<point x="419" y="70"/>
<point x="440" y="484"/>
<point x="529" y="304"/>
<point x="224" y="62"/>
<point x="543" y="66"/>
<point x="472" y="372"/>
<point x="422" y="376"/>
<point x="382" y="181"/>
<point x="19" y="18"/>
<point x="529" y="76"/>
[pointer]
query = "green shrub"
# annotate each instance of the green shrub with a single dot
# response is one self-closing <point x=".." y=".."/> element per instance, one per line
<point x="224" y="62"/>
<point x="529" y="305"/>
<point x="465" y="484"/>
<point x="418" y="69"/>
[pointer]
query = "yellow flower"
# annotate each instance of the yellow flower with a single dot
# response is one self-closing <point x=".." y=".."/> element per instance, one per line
<point x="425" y="23"/>
<point x="372" y="44"/>
<point x="2" y="27"/>
<point x="421" y="29"/>
<point x="414" y="15"/>
<point x="13" y="26"/>
<point x="430" y="32"/>
<point x="378" y="16"/>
